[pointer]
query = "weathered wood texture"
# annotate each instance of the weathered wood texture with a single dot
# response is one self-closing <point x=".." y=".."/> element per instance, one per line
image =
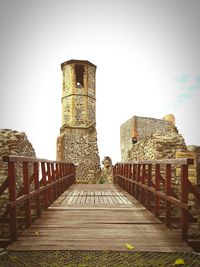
<point x="37" y="192"/>
<point x="150" y="183"/>
<point x="98" y="217"/>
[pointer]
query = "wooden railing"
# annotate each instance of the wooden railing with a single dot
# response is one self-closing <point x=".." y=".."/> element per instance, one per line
<point x="150" y="182"/>
<point x="42" y="182"/>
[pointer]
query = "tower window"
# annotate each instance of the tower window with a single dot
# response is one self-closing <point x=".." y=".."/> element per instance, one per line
<point x="79" y="71"/>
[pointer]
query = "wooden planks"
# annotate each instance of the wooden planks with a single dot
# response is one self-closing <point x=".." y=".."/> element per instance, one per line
<point x="97" y="195"/>
<point x="96" y="217"/>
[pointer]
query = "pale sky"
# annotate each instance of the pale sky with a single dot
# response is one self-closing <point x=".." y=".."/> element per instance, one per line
<point x="147" y="56"/>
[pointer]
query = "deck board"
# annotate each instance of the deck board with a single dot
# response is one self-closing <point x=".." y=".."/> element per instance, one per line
<point x="98" y="217"/>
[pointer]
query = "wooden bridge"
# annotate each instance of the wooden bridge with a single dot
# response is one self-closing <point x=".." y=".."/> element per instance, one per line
<point x="52" y="212"/>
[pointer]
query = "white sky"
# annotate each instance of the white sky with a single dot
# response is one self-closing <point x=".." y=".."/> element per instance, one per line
<point x="147" y="57"/>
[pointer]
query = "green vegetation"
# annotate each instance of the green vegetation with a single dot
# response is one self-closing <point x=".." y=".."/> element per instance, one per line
<point x="97" y="259"/>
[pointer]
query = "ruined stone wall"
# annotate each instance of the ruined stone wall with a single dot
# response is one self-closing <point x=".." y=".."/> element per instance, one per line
<point x="12" y="143"/>
<point x="80" y="147"/>
<point x="106" y="171"/>
<point x="196" y="151"/>
<point x="140" y="128"/>
<point x="148" y="126"/>
<point x="169" y="145"/>
<point x="159" y="139"/>
<point x="126" y="139"/>
<point x="160" y="146"/>
<point x="157" y="146"/>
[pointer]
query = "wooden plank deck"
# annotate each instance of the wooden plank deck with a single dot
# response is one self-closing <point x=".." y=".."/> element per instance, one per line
<point x="98" y="217"/>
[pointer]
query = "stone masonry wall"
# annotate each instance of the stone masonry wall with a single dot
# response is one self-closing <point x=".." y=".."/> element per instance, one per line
<point x="196" y="150"/>
<point x="80" y="147"/>
<point x="157" y="146"/>
<point x="148" y="126"/>
<point x="160" y="146"/>
<point x="126" y="139"/>
<point x="77" y="142"/>
<point x="159" y="139"/>
<point x="12" y="143"/>
<point x="170" y="145"/>
<point x="141" y="127"/>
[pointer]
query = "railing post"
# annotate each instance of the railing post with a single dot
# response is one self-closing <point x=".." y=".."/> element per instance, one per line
<point x="133" y="179"/>
<point x="57" y="178"/>
<point x="184" y="200"/>
<point x="53" y="179"/>
<point x="125" y="171"/>
<point x="138" y="180"/>
<point x="122" y="174"/>
<point x="67" y="172"/>
<point x="114" y="174"/>
<point x="126" y="175"/>
<point x="168" y="193"/>
<point x="129" y="177"/>
<point x="62" y="181"/>
<point x="143" y="182"/>
<point x="149" y="181"/>
<point x="27" y="206"/>
<point x="157" y="188"/>
<point x="37" y="186"/>
<point x="12" y="197"/>
<point x="50" y="189"/>
<point x="44" y="183"/>
<point x="74" y="172"/>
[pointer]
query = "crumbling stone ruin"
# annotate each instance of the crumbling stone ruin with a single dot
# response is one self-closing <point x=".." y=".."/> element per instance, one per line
<point x="17" y="144"/>
<point x="77" y="142"/>
<point x="148" y="138"/>
<point x="139" y="128"/>
<point x="157" y="146"/>
<point x="107" y="171"/>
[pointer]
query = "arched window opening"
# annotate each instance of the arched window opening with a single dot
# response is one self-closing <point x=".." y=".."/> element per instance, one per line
<point x="79" y="71"/>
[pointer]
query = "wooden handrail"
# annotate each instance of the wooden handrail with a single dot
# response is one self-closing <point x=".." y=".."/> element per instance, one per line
<point x="180" y="161"/>
<point x="36" y="193"/>
<point x="142" y="179"/>
<point x="29" y="159"/>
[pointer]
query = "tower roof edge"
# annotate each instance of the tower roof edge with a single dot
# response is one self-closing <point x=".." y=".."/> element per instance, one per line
<point x="77" y="61"/>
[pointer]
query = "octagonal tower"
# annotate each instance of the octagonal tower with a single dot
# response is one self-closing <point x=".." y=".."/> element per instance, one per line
<point x="78" y="137"/>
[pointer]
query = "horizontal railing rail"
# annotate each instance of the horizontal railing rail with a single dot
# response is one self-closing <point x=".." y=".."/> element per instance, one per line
<point x="151" y="183"/>
<point x="32" y="184"/>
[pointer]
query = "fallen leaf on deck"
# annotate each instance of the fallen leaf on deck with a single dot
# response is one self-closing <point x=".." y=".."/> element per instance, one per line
<point x="129" y="246"/>
<point x="179" y="262"/>
<point x="36" y="233"/>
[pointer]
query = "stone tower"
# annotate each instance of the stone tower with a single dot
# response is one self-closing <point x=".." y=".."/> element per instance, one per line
<point x="78" y="137"/>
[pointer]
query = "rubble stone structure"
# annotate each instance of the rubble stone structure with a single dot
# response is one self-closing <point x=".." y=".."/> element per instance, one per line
<point x="78" y="137"/>
<point x="107" y="171"/>
<point x="138" y="128"/>
<point x="149" y="138"/>
<point x="17" y="144"/>
<point x="157" y="146"/>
